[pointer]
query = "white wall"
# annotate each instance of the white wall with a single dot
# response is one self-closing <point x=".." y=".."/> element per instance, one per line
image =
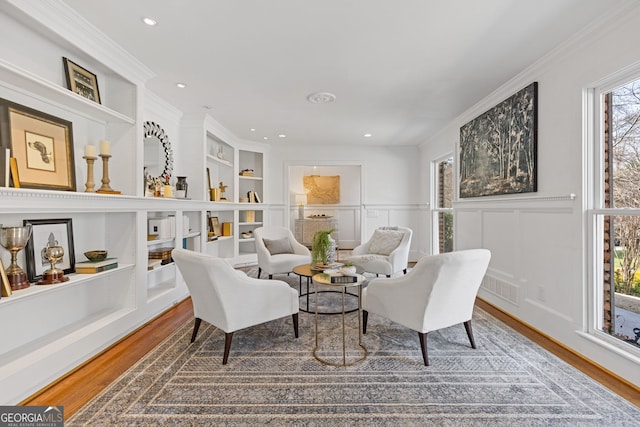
<point x="538" y="270"/>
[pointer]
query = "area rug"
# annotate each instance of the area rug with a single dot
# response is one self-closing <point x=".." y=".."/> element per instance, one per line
<point x="273" y="379"/>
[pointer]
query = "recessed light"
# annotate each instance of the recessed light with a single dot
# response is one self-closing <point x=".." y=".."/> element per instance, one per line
<point x="253" y="130"/>
<point x="321" y="97"/>
<point x="207" y="107"/>
<point x="282" y="135"/>
<point x="367" y="135"/>
<point x="181" y="85"/>
<point x="265" y="137"/>
<point x="150" y="22"/>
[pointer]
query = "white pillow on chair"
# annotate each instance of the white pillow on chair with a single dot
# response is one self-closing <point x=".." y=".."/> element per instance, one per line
<point x="278" y="246"/>
<point x="383" y="242"/>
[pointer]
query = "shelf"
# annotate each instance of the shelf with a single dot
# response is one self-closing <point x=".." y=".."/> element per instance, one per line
<point x="20" y="79"/>
<point x="160" y="268"/>
<point x="257" y="223"/>
<point x="251" y="178"/>
<point x="160" y="289"/>
<point x="221" y="239"/>
<point x="74" y="280"/>
<point x="220" y="161"/>
<point x="160" y="241"/>
<point x="192" y="234"/>
<point x="250" y="239"/>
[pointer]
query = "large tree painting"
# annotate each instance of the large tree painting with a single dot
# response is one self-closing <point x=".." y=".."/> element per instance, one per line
<point x="498" y="148"/>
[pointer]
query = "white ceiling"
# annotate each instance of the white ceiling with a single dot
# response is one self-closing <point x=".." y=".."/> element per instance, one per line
<point x="400" y="69"/>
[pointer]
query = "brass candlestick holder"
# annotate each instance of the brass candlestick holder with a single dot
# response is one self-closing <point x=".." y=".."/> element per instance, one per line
<point x="14" y="239"/>
<point x="105" y="176"/>
<point x="90" y="185"/>
<point x="52" y="253"/>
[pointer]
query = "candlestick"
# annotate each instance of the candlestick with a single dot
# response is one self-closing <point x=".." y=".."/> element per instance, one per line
<point x="90" y="185"/>
<point x="105" y="147"/>
<point x="105" y="175"/>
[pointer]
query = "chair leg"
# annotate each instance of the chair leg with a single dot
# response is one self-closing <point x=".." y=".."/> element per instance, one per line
<point x="259" y="272"/>
<point x="270" y="276"/>
<point x="227" y="346"/>
<point x="423" y="346"/>
<point x="196" y="326"/>
<point x="295" y="324"/>
<point x="365" y="317"/>
<point x="405" y="271"/>
<point x="388" y="275"/>
<point x="467" y="326"/>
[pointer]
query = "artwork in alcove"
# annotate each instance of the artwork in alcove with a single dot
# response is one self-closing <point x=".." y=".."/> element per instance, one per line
<point x="322" y="190"/>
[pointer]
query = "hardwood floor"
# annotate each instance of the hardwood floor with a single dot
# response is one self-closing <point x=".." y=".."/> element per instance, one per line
<point x="80" y="386"/>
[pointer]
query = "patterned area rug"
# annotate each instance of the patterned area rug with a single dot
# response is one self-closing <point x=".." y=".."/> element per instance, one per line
<point x="273" y="379"/>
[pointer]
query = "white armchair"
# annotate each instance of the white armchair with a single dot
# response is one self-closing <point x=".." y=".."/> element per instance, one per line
<point x="229" y="299"/>
<point x="386" y="252"/>
<point x="439" y="292"/>
<point x="278" y="251"/>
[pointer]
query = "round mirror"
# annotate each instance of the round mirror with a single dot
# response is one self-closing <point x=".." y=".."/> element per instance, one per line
<point x="158" y="156"/>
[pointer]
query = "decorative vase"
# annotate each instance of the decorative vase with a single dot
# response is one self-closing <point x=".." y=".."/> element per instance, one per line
<point x="324" y="248"/>
<point x="181" y="187"/>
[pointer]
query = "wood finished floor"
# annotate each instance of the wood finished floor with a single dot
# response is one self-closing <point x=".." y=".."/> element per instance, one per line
<point x="80" y="386"/>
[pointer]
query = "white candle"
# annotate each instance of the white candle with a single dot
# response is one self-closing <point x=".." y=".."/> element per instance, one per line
<point x="105" y="147"/>
<point x="89" y="150"/>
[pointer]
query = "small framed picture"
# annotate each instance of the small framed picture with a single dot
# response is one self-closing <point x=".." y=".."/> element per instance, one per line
<point x="214" y="225"/>
<point x="81" y="81"/>
<point x="42" y="232"/>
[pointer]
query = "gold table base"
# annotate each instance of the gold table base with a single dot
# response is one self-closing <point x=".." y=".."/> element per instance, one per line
<point x="318" y="279"/>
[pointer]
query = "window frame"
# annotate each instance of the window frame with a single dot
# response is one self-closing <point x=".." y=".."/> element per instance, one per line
<point x="435" y="209"/>
<point x="594" y="178"/>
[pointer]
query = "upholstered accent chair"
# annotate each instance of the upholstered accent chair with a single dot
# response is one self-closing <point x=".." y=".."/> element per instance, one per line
<point x="229" y="299"/>
<point x="439" y="292"/>
<point x="278" y="251"/>
<point x="386" y="252"/>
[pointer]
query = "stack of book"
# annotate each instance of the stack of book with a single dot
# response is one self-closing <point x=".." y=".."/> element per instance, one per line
<point x="90" y="267"/>
<point x="162" y="254"/>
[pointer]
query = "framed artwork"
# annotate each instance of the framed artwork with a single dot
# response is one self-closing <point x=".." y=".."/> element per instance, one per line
<point x="42" y="231"/>
<point x="42" y="146"/>
<point x="214" y="225"/>
<point x="498" y="150"/>
<point x="322" y="190"/>
<point x="6" y="285"/>
<point x="81" y="81"/>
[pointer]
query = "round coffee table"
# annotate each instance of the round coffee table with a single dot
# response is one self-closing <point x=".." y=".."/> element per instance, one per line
<point x="306" y="271"/>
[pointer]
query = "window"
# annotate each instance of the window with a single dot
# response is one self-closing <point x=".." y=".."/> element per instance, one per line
<point x="617" y="215"/>
<point x="442" y="212"/>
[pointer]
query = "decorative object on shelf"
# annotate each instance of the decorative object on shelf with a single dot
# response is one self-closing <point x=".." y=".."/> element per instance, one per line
<point x="96" y="255"/>
<point x="81" y="81"/>
<point x="6" y="286"/>
<point x="301" y="200"/>
<point x="214" y="225"/>
<point x="163" y="254"/>
<point x="484" y="168"/>
<point x="14" y="239"/>
<point x="105" y="154"/>
<point x="90" y="157"/>
<point x="247" y="172"/>
<point x="253" y="197"/>
<point x="158" y="155"/>
<point x="52" y="253"/>
<point x="62" y="231"/>
<point x="247" y="216"/>
<point x="42" y="146"/>
<point x="220" y="153"/>
<point x="15" y="179"/>
<point x="167" y="189"/>
<point x="323" y="249"/>
<point x="227" y="229"/>
<point x="322" y="190"/>
<point x="97" y="266"/>
<point x="222" y="188"/>
<point x="320" y="216"/>
<point x="247" y="234"/>
<point x="5" y="167"/>
<point x="182" y="187"/>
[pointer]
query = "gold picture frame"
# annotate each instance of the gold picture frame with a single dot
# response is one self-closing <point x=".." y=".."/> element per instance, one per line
<point x="214" y="225"/>
<point x="81" y="81"/>
<point x="42" y="146"/>
<point x="6" y="285"/>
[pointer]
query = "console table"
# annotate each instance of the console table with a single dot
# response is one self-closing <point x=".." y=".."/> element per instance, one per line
<point x="306" y="228"/>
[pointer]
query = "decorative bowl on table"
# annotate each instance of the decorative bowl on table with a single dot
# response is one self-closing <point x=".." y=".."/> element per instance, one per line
<point x="97" y="255"/>
<point x="348" y="270"/>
